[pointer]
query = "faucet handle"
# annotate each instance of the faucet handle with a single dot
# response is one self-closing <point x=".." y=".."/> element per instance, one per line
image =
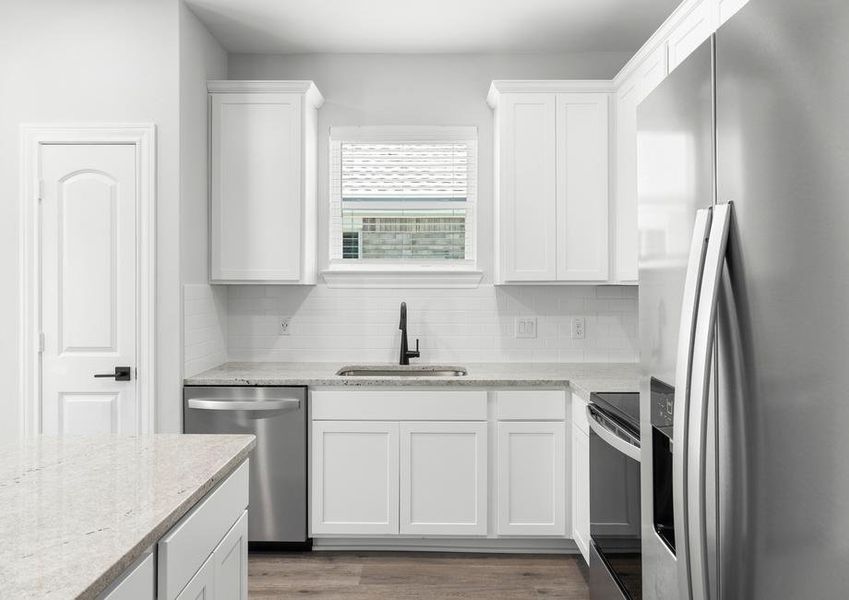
<point x="414" y="353"/>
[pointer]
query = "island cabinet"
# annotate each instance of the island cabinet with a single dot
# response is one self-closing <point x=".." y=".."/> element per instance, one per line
<point x="205" y="555"/>
<point x="440" y="463"/>
<point x="263" y="179"/>
<point x="551" y="171"/>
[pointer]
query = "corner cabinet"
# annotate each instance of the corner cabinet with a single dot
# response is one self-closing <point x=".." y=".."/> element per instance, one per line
<point x="263" y="178"/>
<point x="551" y="170"/>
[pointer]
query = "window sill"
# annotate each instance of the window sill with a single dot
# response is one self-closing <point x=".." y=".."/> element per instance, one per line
<point x="363" y="276"/>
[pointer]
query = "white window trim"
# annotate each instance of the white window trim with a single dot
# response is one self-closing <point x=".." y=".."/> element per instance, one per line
<point x="411" y="274"/>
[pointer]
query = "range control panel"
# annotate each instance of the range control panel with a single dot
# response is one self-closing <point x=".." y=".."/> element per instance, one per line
<point x="662" y="405"/>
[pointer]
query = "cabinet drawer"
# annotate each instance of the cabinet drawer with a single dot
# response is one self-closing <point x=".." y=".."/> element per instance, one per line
<point x="186" y="547"/>
<point x="398" y="405"/>
<point x="579" y="414"/>
<point x="527" y="405"/>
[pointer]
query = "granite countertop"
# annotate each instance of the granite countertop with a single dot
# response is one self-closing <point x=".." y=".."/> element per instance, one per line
<point x="78" y="510"/>
<point x="582" y="378"/>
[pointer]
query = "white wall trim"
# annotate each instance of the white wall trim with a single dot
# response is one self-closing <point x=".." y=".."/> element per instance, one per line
<point x="143" y="136"/>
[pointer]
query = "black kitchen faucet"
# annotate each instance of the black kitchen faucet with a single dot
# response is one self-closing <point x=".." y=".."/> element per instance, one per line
<point x="406" y="354"/>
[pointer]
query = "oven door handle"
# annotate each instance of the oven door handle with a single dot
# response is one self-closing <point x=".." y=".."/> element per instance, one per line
<point x="612" y="439"/>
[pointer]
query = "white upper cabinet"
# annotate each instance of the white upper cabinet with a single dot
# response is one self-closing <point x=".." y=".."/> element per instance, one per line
<point x="695" y="27"/>
<point x="582" y="180"/>
<point x="526" y="188"/>
<point x="263" y="180"/>
<point x="551" y="169"/>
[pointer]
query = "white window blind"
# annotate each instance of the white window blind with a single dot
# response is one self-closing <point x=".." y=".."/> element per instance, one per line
<point x="403" y="196"/>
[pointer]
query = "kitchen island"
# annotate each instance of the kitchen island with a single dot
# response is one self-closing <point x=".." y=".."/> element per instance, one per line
<point x="80" y="511"/>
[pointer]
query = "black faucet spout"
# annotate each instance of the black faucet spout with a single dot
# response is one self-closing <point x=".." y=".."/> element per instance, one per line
<point x="406" y="353"/>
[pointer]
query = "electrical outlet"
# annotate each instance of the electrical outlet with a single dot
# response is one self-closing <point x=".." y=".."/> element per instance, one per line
<point x="526" y="327"/>
<point x="284" y="325"/>
<point x="579" y="328"/>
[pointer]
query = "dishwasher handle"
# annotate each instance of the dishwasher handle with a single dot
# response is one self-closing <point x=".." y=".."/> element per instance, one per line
<point x="246" y="405"/>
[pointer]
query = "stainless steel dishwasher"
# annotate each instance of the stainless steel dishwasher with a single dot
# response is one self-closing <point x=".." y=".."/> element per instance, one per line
<point x="277" y="416"/>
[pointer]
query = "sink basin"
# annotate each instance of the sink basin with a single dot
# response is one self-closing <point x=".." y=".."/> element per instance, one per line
<point x="402" y="371"/>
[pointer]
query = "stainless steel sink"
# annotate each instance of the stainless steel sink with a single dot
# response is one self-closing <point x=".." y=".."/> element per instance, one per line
<point x="402" y="371"/>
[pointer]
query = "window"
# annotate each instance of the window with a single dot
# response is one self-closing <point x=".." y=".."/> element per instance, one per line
<point x="403" y="197"/>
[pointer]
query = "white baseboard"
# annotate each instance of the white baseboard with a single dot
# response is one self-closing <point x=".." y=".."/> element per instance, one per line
<point x="503" y="546"/>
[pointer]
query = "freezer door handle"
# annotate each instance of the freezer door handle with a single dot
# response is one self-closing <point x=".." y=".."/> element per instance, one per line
<point x="705" y="336"/>
<point x="225" y="404"/>
<point x="692" y="285"/>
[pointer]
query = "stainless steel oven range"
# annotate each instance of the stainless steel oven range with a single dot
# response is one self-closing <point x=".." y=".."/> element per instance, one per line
<point x="615" y="547"/>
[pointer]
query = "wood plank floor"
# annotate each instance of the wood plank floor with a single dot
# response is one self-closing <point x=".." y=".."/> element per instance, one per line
<point x="413" y="576"/>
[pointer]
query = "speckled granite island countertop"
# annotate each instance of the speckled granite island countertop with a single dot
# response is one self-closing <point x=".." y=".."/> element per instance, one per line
<point x="582" y="378"/>
<point x="77" y="511"/>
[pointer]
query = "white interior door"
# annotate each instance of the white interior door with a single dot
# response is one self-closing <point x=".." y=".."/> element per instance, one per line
<point x="88" y="287"/>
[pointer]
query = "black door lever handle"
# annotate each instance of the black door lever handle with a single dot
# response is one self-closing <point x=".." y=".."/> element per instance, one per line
<point x="120" y="374"/>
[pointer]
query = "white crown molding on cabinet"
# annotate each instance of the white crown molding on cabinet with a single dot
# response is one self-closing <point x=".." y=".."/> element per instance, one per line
<point x="545" y="86"/>
<point x="657" y="39"/>
<point x="143" y="137"/>
<point x="305" y="87"/>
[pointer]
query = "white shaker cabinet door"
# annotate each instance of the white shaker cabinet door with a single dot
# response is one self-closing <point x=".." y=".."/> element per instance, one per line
<point x="532" y="478"/>
<point x="202" y="585"/>
<point x="581" y="490"/>
<point x="231" y="562"/>
<point x="443" y="478"/>
<point x="256" y="187"/>
<point x="354" y="478"/>
<point x="527" y="188"/>
<point x="582" y="186"/>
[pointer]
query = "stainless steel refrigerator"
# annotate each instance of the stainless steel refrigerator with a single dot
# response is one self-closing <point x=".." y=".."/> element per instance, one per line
<point x="744" y="311"/>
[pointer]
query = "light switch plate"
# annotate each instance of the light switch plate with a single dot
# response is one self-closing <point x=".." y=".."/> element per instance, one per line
<point x="526" y="327"/>
<point x="284" y="325"/>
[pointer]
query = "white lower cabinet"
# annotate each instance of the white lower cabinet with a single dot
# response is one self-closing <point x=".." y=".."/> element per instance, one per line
<point x="138" y="582"/>
<point x="440" y="463"/>
<point x="230" y="561"/>
<point x="531" y="489"/>
<point x="354" y="477"/>
<point x="202" y="585"/>
<point x="581" y="495"/>
<point x="207" y="550"/>
<point x="443" y="478"/>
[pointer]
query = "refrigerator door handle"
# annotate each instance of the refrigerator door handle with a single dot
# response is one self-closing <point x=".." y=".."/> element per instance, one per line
<point x="692" y="285"/>
<point x="705" y="335"/>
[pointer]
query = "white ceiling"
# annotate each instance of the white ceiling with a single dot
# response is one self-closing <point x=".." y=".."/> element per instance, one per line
<point x="443" y="26"/>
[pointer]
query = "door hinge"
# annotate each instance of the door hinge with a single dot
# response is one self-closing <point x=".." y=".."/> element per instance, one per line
<point x="40" y="342"/>
<point x="41" y="190"/>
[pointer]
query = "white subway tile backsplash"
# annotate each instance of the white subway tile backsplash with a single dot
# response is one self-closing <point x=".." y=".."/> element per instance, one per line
<point x="204" y="327"/>
<point x="361" y="325"/>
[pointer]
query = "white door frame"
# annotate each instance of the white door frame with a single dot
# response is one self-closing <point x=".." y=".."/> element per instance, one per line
<point x="143" y="137"/>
